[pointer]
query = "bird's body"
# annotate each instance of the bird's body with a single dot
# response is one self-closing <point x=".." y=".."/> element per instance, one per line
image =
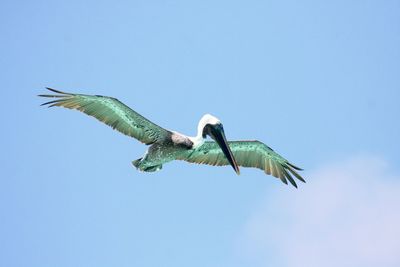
<point x="167" y="145"/>
<point x="162" y="152"/>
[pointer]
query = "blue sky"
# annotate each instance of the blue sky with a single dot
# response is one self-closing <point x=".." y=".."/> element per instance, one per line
<point x="317" y="81"/>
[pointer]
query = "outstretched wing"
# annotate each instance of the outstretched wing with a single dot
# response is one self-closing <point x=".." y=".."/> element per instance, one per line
<point x="253" y="154"/>
<point x="112" y="112"/>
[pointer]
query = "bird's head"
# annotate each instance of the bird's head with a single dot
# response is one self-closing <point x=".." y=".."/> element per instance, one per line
<point x="212" y="126"/>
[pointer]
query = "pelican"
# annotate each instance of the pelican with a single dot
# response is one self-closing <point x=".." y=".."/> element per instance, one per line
<point x="167" y="145"/>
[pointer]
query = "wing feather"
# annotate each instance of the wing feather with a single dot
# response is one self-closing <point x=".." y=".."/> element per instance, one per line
<point x="267" y="167"/>
<point x="110" y="111"/>
<point x="253" y="154"/>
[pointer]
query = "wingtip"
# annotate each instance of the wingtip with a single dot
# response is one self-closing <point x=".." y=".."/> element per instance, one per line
<point x="292" y="182"/>
<point x="298" y="176"/>
<point x="295" y="167"/>
<point x="57" y="91"/>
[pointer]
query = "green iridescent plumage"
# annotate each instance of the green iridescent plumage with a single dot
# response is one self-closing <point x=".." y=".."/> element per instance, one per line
<point x="169" y="145"/>
<point x="254" y="154"/>
<point x="112" y="112"/>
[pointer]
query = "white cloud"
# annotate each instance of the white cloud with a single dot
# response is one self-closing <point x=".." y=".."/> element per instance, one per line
<point x="348" y="214"/>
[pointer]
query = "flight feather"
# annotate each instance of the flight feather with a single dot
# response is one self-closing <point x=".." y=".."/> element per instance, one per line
<point x="253" y="154"/>
<point x="110" y="111"/>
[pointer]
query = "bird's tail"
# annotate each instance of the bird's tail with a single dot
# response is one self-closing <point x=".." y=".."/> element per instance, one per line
<point x="136" y="163"/>
<point x="142" y="167"/>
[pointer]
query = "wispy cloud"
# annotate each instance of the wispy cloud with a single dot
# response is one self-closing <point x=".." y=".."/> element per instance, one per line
<point x="347" y="214"/>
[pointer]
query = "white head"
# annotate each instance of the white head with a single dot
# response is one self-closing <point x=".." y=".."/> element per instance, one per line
<point x="207" y="119"/>
<point x="212" y="126"/>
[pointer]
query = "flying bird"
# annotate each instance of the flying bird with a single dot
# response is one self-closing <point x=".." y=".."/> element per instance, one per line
<point x="166" y="145"/>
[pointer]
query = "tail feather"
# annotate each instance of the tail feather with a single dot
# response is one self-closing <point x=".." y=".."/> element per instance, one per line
<point x="136" y="163"/>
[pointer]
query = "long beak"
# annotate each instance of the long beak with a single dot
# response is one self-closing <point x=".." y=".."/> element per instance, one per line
<point x="217" y="133"/>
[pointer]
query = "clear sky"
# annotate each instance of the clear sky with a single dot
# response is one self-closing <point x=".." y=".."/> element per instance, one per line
<point x="318" y="81"/>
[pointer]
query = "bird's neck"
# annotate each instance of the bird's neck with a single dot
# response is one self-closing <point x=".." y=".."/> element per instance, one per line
<point x="198" y="140"/>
